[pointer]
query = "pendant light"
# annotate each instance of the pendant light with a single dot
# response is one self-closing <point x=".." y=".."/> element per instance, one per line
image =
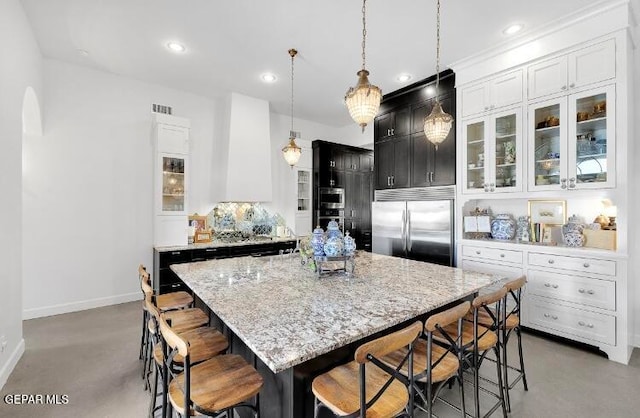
<point x="438" y="124"/>
<point x="363" y="100"/>
<point x="292" y="151"/>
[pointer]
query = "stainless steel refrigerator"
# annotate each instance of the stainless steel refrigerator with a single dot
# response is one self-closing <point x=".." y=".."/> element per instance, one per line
<point x="419" y="230"/>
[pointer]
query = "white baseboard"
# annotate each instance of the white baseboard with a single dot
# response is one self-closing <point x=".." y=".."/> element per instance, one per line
<point x="79" y="306"/>
<point x="11" y="363"/>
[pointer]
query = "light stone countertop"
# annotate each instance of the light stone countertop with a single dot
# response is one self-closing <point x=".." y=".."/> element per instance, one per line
<point x="218" y="244"/>
<point x="286" y="315"/>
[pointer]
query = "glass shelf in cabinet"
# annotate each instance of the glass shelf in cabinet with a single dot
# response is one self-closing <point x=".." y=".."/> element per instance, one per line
<point x="475" y="141"/>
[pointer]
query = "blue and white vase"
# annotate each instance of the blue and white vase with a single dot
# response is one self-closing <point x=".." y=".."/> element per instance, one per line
<point x="334" y="246"/>
<point x="333" y="230"/>
<point x="317" y="241"/>
<point x="349" y="244"/>
<point x="503" y="227"/>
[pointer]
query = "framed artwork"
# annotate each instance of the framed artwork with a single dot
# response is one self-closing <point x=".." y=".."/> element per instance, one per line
<point x="199" y="222"/>
<point x="548" y="212"/>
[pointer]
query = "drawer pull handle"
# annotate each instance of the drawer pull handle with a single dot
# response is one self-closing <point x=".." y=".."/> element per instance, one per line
<point x="502" y="255"/>
<point x="586" y="265"/>
<point x="175" y="285"/>
<point x="211" y="250"/>
<point x="547" y="285"/>
<point x="590" y="292"/>
<point x="581" y="290"/>
<point x="551" y="261"/>
<point x="589" y="325"/>
<point x="175" y="252"/>
<point x="581" y="323"/>
<point x="554" y="317"/>
<point x="555" y="286"/>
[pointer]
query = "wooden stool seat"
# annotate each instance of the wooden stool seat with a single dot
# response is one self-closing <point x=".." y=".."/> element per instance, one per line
<point x="216" y="384"/>
<point x="446" y="368"/>
<point x="485" y="319"/>
<point x="187" y="319"/>
<point x="338" y="389"/>
<point x="204" y="343"/>
<point x="174" y="300"/>
<point x="486" y="337"/>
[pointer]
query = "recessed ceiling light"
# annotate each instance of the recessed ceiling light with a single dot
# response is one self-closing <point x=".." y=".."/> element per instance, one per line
<point x="176" y="47"/>
<point x="430" y="90"/>
<point x="404" y="77"/>
<point x="510" y="30"/>
<point x="83" y="52"/>
<point x="268" y="77"/>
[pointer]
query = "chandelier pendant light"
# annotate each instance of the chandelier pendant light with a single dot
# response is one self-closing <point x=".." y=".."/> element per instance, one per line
<point x="438" y="124"/>
<point x="292" y="152"/>
<point x="363" y="100"/>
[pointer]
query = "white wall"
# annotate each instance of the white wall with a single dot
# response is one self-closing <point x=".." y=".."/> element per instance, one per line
<point x="88" y="187"/>
<point x="20" y="67"/>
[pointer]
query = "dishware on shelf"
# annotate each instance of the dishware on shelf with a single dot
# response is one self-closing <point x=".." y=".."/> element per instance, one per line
<point x="582" y="116"/>
<point x="600" y="107"/>
<point x="472" y="165"/>
<point x="503" y="227"/>
<point x="472" y="184"/>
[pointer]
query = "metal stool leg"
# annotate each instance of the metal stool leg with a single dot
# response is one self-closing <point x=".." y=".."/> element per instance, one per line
<point x="524" y="375"/>
<point x="501" y="387"/>
<point x="505" y="367"/>
<point x="154" y="393"/>
<point x="143" y="333"/>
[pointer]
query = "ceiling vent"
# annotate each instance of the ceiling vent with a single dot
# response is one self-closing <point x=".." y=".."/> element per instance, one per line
<point x="158" y="108"/>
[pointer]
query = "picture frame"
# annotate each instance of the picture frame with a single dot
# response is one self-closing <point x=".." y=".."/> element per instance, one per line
<point x="199" y="222"/>
<point x="548" y="212"/>
<point x="202" y="236"/>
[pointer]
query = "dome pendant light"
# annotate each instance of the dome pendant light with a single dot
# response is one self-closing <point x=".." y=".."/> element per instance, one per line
<point x="438" y="124"/>
<point x="292" y="151"/>
<point x="363" y="100"/>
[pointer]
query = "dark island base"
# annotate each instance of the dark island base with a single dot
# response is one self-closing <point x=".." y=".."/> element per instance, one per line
<point x="288" y="394"/>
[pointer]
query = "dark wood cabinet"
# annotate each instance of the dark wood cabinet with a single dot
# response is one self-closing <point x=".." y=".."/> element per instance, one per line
<point x="392" y="163"/>
<point x="355" y="176"/>
<point x="411" y="160"/>
<point x="392" y="124"/>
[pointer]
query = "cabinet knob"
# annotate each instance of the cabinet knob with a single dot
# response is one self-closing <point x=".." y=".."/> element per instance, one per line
<point x="563" y="87"/>
<point x="590" y="292"/>
<point x="550" y="261"/>
<point x="581" y="290"/>
<point x="547" y="315"/>
<point x="478" y="252"/>
<point x="486" y="108"/>
<point x="581" y="323"/>
<point x="586" y="265"/>
<point x="589" y="325"/>
<point x="554" y="317"/>
<point x="555" y="286"/>
<point x="572" y="85"/>
<point x="501" y="255"/>
<point x="547" y="285"/>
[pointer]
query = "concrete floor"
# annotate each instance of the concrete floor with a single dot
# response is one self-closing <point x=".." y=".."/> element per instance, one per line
<point x="92" y="356"/>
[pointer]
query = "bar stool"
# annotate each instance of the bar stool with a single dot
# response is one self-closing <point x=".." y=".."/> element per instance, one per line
<point x="478" y="341"/>
<point x="512" y="324"/>
<point x="434" y="361"/>
<point x="205" y="342"/>
<point x="367" y="386"/>
<point x="219" y="384"/>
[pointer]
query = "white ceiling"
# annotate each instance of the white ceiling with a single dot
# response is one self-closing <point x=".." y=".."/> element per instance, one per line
<point x="230" y="43"/>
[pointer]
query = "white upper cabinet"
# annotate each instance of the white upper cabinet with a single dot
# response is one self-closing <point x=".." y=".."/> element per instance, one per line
<point x="496" y="93"/>
<point x="586" y="66"/>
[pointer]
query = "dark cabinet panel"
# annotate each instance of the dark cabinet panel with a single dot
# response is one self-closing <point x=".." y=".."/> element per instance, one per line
<point x="384" y="164"/>
<point x="421" y="160"/>
<point x="400" y="176"/>
<point x="401" y="122"/>
<point x="392" y="124"/>
<point x="382" y="126"/>
<point x="418" y="113"/>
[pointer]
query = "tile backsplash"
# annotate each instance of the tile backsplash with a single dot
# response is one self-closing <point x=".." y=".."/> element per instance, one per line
<point x="238" y="220"/>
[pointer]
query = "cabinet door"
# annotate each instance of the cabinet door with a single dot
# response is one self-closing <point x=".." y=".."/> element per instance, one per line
<point x="401" y="121"/>
<point x="506" y="90"/>
<point x="474" y="146"/>
<point x="172" y="184"/>
<point x="591" y="142"/>
<point x="548" y="77"/>
<point x="421" y="160"/>
<point x="366" y="163"/>
<point x="384" y="164"/>
<point x="506" y="151"/>
<point x="382" y="126"/>
<point x="548" y="145"/>
<point x="172" y="139"/>
<point x="475" y="100"/>
<point x="400" y="173"/>
<point x="338" y="156"/>
<point x="364" y="201"/>
<point x="592" y="64"/>
<point x="418" y="113"/>
<point x="351" y="193"/>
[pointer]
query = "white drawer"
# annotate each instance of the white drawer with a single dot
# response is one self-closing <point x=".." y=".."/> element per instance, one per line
<point x="584" y="265"/>
<point x="507" y="256"/>
<point x="543" y="313"/>
<point x="583" y="290"/>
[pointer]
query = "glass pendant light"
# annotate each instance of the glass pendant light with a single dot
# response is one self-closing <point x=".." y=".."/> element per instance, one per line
<point x="363" y="100"/>
<point x="438" y="124"/>
<point x="292" y="151"/>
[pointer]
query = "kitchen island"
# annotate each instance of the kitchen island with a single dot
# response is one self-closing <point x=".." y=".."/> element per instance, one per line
<point x="294" y="325"/>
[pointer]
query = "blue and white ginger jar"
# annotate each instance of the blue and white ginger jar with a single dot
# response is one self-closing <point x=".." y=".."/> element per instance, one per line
<point x="317" y="241"/>
<point x="503" y="227"/>
<point x="333" y="230"/>
<point x="349" y="244"/>
<point x="334" y="246"/>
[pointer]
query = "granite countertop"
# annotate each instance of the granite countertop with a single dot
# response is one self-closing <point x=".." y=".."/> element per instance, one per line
<point x="217" y="244"/>
<point x="286" y="315"/>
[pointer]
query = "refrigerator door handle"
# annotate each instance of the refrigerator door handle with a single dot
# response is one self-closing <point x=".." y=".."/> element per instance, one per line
<point x="404" y="231"/>
<point x="408" y="230"/>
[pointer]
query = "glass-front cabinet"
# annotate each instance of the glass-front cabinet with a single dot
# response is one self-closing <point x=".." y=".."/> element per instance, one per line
<point x="173" y="183"/>
<point x="493" y="153"/>
<point x="303" y="182"/>
<point x="572" y="141"/>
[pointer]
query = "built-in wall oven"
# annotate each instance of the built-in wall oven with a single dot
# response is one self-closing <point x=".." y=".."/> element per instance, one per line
<point x="331" y="198"/>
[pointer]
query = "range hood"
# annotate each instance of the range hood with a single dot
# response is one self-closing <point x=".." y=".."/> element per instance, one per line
<point x="249" y="150"/>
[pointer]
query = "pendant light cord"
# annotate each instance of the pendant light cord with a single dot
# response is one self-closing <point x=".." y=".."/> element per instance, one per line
<point x="364" y="30"/>
<point x="437" y="48"/>
<point x="293" y="53"/>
